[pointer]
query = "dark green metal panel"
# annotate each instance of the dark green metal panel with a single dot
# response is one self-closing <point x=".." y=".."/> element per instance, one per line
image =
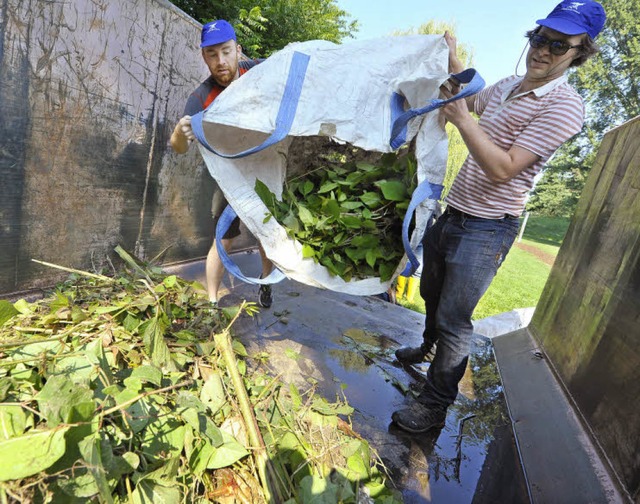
<point x="588" y="317"/>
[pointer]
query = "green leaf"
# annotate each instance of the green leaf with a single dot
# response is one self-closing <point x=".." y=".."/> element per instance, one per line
<point x="90" y="450"/>
<point x="393" y="190"/>
<point x="331" y="207"/>
<point x="228" y="453"/>
<point x="291" y="222"/>
<point x="318" y="490"/>
<point x="163" y="436"/>
<point x="306" y="216"/>
<point x="199" y="456"/>
<point x="100" y="310"/>
<point x="366" y="241"/>
<point x="7" y="311"/>
<point x="350" y="205"/>
<point x="327" y="187"/>
<point x="36" y="349"/>
<point x="78" y="368"/>
<point x="371" y="199"/>
<point x="63" y="401"/>
<point x="26" y="455"/>
<point x="153" y="337"/>
<point x="386" y="271"/>
<point x="308" y="251"/>
<point x="371" y="256"/>
<point x="239" y="348"/>
<point x="292" y="354"/>
<point x="356" y="254"/>
<point x="351" y="221"/>
<point x="170" y="281"/>
<point x="366" y="167"/>
<point x="358" y="466"/>
<point x="267" y="197"/>
<point x="79" y="488"/>
<point x="295" y="395"/>
<point x="339" y="238"/>
<point x="149" y="374"/>
<point x="140" y="413"/>
<point x="202" y="424"/>
<point x="13" y="421"/>
<point x="321" y="405"/>
<point x="212" y="393"/>
<point x="307" y="187"/>
<point x="23" y="307"/>
<point x="151" y="492"/>
<point x="288" y="442"/>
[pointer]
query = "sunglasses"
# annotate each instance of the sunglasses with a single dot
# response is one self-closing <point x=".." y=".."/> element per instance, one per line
<point x="556" y="47"/>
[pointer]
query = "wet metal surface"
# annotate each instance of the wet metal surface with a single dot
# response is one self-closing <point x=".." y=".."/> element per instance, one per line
<point x="560" y="461"/>
<point x="344" y="345"/>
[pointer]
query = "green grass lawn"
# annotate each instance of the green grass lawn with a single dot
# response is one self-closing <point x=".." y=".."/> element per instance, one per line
<point x="522" y="276"/>
<point x="546" y="230"/>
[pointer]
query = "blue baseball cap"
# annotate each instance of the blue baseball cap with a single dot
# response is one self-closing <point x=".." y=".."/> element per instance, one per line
<point x="217" y="32"/>
<point x="573" y="18"/>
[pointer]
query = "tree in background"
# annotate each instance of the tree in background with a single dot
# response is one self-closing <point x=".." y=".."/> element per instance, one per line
<point x="265" y="26"/>
<point x="609" y="82"/>
<point x="457" y="149"/>
<point x="609" y="85"/>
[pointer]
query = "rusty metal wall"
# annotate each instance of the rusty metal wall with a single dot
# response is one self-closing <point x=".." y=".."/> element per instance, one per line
<point x="89" y="92"/>
<point x="588" y="318"/>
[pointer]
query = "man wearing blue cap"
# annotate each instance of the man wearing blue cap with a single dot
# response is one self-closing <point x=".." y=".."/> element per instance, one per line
<point x="523" y="120"/>
<point x="223" y="57"/>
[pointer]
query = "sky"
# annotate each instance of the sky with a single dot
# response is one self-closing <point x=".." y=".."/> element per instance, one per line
<point x="493" y="29"/>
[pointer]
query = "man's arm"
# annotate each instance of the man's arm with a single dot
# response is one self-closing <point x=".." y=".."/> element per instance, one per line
<point x="182" y="135"/>
<point x="499" y="165"/>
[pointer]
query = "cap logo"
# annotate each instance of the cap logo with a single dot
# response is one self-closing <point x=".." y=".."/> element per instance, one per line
<point x="574" y="7"/>
<point x="213" y="27"/>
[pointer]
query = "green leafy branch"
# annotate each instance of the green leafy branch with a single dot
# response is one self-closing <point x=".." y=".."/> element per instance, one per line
<point x="348" y="216"/>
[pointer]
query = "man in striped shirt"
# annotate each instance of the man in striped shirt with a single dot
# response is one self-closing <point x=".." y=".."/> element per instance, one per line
<point x="523" y="120"/>
<point x="223" y="57"/>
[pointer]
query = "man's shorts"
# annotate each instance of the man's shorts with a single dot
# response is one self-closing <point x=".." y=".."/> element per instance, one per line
<point x="218" y="204"/>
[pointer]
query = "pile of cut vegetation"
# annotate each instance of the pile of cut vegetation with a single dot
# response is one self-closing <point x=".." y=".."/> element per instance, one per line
<point x="129" y="389"/>
<point x="347" y="214"/>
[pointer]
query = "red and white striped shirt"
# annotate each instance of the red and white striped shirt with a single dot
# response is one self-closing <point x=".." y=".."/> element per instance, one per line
<point x="540" y="121"/>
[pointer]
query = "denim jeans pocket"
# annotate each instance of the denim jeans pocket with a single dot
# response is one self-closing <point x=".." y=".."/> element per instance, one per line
<point x="491" y="238"/>
<point x="478" y="225"/>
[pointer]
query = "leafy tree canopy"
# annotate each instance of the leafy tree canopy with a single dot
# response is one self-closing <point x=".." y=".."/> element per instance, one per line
<point x="609" y="81"/>
<point x="265" y="26"/>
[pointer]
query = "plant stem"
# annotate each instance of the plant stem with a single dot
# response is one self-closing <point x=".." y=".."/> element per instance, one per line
<point x="265" y="468"/>
<point x="71" y="270"/>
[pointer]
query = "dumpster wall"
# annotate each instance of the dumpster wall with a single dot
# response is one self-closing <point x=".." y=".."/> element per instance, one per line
<point x="90" y="91"/>
<point x="588" y="318"/>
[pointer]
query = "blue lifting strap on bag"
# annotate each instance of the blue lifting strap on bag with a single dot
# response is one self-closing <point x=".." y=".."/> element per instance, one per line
<point x="286" y="112"/>
<point x="224" y="222"/>
<point x="425" y="190"/>
<point x="400" y="117"/>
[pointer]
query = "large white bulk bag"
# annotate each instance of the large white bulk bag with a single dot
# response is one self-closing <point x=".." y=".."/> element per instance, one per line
<point x="372" y="94"/>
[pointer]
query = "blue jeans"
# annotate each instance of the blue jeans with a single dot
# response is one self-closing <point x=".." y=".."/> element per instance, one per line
<point x="461" y="256"/>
